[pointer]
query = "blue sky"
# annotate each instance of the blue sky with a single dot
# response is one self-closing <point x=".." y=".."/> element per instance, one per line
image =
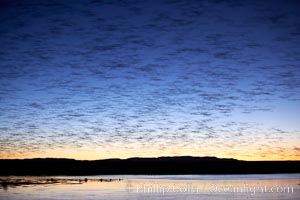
<point x="101" y="79"/>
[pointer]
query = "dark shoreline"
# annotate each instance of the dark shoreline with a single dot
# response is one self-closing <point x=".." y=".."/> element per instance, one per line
<point x="144" y="166"/>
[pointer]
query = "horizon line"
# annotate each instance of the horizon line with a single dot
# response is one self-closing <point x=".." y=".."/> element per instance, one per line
<point x="114" y="158"/>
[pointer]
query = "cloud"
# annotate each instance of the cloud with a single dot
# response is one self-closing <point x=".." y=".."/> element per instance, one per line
<point x="109" y="73"/>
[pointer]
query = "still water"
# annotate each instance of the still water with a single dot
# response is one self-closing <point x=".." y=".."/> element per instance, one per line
<point x="273" y="186"/>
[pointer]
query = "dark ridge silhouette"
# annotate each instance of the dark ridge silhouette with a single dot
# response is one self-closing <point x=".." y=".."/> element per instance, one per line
<point x="161" y="165"/>
<point x="180" y="158"/>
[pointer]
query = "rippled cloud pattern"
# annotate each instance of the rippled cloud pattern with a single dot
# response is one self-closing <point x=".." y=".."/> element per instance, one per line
<point x="101" y="79"/>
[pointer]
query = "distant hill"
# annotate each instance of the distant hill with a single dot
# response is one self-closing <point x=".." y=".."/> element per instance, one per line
<point x="160" y="165"/>
<point x="172" y="159"/>
<point x="181" y="159"/>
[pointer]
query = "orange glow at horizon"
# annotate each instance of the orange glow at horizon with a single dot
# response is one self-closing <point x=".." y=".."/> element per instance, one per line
<point x="95" y="154"/>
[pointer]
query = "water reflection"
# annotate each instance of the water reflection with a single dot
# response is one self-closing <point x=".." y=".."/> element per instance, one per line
<point x="138" y="188"/>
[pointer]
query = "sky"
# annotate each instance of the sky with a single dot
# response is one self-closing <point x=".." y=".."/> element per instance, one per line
<point x="96" y="79"/>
